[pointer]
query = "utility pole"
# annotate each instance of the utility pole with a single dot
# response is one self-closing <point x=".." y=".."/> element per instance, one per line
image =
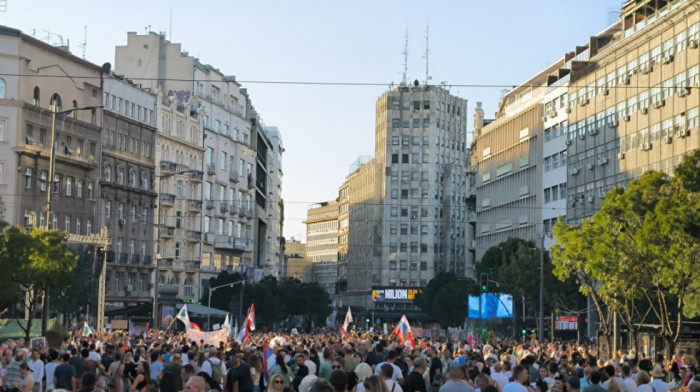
<point x="540" y="331"/>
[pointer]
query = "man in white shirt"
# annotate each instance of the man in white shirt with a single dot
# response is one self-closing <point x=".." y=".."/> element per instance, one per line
<point x="498" y="375"/>
<point x="50" y="368"/>
<point x="309" y="363"/>
<point x="386" y="372"/>
<point x="521" y="377"/>
<point x="37" y="367"/>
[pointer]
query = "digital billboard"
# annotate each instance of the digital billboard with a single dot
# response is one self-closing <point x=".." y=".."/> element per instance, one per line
<point x="493" y="305"/>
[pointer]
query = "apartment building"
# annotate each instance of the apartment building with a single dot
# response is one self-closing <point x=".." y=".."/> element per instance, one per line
<point x="275" y="247"/>
<point x="127" y="190"/>
<point x="48" y="83"/>
<point x="322" y="242"/>
<point x="298" y="266"/>
<point x="634" y="106"/>
<point x="422" y="166"/>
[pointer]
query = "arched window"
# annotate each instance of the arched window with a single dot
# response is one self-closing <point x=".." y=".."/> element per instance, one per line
<point x="161" y="280"/>
<point x="132" y="178"/>
<point x="36" y="96"/>
<point x="144" y="181"/>
<point x="56" y="99"/>
<point x="2" y="88"/>
<point x="108" y="173"/>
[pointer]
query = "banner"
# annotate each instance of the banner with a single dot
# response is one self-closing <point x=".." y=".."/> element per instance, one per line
<point x="212" y="338"/>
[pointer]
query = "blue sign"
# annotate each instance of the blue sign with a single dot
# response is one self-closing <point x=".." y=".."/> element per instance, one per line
<point x="492" y="306"/>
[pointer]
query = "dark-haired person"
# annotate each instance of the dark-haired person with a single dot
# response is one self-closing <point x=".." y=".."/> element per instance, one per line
<point x="594" y="383"/>
<point x="64" y="374"/>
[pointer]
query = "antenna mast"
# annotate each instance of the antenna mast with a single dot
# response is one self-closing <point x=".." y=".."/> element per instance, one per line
<point x="427" y="52"/>
<point x="170" y="35"/>
<point x="405" y="59"/>
<point x="84" y="44"/>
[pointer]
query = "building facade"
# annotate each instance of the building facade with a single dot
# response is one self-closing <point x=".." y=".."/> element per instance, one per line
<point x="423" y="160"/>
<point x="48" y="84"/>
<point x="127" y="190"/>
<point x="298" y="266"/>
<point x="275" y="247"/>
<point x="322" y="242"/>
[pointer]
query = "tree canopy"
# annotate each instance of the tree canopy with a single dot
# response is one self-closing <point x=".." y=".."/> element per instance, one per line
<point x="445" y="298"/>
<point x="639" y="254"/>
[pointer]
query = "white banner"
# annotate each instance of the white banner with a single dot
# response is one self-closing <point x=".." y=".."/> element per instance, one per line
<point x="213" y="337"/>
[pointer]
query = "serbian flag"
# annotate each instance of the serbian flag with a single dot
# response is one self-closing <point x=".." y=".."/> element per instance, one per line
<point x="268" y="358"/>
<point x="147" y="331"/>
<point x="242" y="334"/>
<point x="403" y="331"/>
<point x="195" y="326"/>
<point x="346" y="323"/>
<point x="251" y="317"/>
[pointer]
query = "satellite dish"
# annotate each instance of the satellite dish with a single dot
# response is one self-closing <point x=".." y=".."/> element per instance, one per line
<point x="106" y="67"/>
<point x="416" y="83"/>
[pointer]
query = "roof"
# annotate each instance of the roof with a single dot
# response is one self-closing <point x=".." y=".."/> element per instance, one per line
<point x="202" y="310"/>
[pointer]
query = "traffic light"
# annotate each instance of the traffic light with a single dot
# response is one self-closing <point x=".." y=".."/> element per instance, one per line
<point x="484" y="283"/>
<point x="367" y="320"/>
<point x="523" y="332"/>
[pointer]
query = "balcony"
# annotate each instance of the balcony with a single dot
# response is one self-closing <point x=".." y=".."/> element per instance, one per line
<point x="168" y="166"/>
<point x="195" y="236"/>
<point x="232" y="243"/>
<point x="167" y="231"/>
<point x="233" y="208"/>
<point x="193" y="264"/>
<point x="168" y="289"/>
<point x="123" y="258"/>
<point x="211" y="169"/>
<point x="209" y="204"/>
<point x="196" y="175"/>
<point x="223" y="206"/>
<point x="209" y="237"/>
<point x="194" y="205"/>
<point x="146" y="260"/>
<point x="233" y="175"/>
<point x="251" y="182"/>
<point x="167" y="199"/>
<point x="135" y="259"/>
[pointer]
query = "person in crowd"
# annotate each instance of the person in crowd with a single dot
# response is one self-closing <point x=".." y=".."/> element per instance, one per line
<point x="143" y="377"/>
<point x="64" y="374"/>
<point x="339" y="380"/>
<point x="643" y="380"/>
<point x="386" y="372"/>
<point x="455" y="382"/>
<point x="195" y="384"/>
<point x="256" y="371"/>
<point x="281" y="369"/>
<point x="375" y="384"/>
<point x="26" y="384"/>
<point x="415" y="382"/>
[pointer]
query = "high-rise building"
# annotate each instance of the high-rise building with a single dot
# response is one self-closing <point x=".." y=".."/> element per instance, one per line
<point x="275" y="247"/>
<point x="127" y="190"/>
<point x="298" y="266"/>
<point x="322" y="242"/>
<point x="422" y="162"/>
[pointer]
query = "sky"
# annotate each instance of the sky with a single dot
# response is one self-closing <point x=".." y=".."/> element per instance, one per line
<point x="477" y="48"/>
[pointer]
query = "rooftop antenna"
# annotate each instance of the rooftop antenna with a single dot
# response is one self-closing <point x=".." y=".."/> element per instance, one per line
<point x="405" y="59"/>
<point x="427" y="52"/>
<point x="84" y="44"/>
<point x="170" y="34"/>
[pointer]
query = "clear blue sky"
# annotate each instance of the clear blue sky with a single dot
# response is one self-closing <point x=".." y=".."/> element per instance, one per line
<point x="324" y="128"/>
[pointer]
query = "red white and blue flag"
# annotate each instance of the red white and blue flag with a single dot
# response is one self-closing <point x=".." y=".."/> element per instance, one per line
<point x="403" y="331"/>
<point x="346" y="323"/>
<point x="242" y="334"/>
<point x="251" y="317"/>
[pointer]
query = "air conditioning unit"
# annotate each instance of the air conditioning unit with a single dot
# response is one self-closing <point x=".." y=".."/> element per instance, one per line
<point x="645" y="69"/>
<point x="668" y="139"/>
<point x="626" y="81"/>
<point x="659" y="104"/>
<point x="590" y="199"/>
<point x="627" y="118"/>
<point x="682" y="132"/>
<point x="645" y="146"/>
<point x="122" y="221"/>
<point x="593" y="132"/>
<point x="603" y="161"/>
<point x="693" y="44"/>
<point x="667" y="59"/>
<point x="572" y="203"/>
<point x="683" y="91"/>
<point x="606" y="91"/>
<point x="567" y="110"/>
<point x="590" y="166"/>
<point x="581" y="136"/>
<point x="620" y="156"/>
<point x="552" y="113"/>
<point x="614" y="123"/>
<point x="567" y="142"/>
<point x="644" y="110"/>
<point x="574" y="172"/>
<point x="585" y="102"/>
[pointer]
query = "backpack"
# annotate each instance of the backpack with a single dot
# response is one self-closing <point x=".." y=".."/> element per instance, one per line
<point x="215" y="371"/>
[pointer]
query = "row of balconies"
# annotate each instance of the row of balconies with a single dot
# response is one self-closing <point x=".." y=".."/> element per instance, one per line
<point x="132" y="259"/>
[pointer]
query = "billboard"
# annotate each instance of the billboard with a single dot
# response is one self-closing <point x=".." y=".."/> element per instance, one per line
<point x="566" y="323"/>
<point x="493" y="305"/>
<point x="394" y="294"/>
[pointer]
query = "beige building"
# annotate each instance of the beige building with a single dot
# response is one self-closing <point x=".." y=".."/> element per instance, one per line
<point x="322" y="242"/>
<point x="298" y="266"/>
<point x="50" y="76"/>
<point x="634" y="107"/>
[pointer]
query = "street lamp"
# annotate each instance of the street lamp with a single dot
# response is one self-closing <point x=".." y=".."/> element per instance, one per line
<point x="540" y="329"/>
<point x="52" y="168"/>
<point x="156" y="323"/>
<point x="240" y="300"/>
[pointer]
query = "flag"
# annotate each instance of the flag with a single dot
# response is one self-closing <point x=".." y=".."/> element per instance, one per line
<point x="195" y="326"/>
<point x="242" y="334"/>
<point x="147" y="331"/>
<point x="346" y="323"/>
<point x="251" y="317"/>
<point x="132" y="330"/>
<point x="184" y="317"/>
<point x="234" y="330"/>
<point x="403" y="331"/>
<point x="86" y="330"/>
<point x="268" y="360"/>
<point x="226" y="325"/>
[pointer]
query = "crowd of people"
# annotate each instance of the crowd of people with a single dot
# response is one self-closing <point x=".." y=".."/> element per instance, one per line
<point x="117" y="362"/>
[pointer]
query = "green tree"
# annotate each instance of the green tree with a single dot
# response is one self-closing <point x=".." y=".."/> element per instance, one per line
<point x="72" y="302"/>
<point x="445" y="298"/>
<point x="641" y="250"/>
<point x="36" y="261"/>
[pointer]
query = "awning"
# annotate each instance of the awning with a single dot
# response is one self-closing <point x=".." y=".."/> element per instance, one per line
<point x="202" y="310"/>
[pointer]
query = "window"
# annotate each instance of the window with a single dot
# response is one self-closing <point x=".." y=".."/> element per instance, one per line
<point x="223" y="159"/>
<point x="36" y="96"/>
<point x="3" y="133"/>
<point x="78" y="223"/>
<point x="2" y="88"/>
<point x="179" y="186"/>
<point x="67" y="224"/>
<point x="177" y="250"/>
<point x="90" y="190"/>
<point x="120" y="176"/>
<point x="120" y="211"/>
<point x="56" y="183"/>
<point x="69" y="186"/>
<point x="178" y="219"/>
<point x="28" y="177"/>
<point x="133" y="213"/>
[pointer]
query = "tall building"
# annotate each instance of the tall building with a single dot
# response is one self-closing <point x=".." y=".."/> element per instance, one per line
<point x="634" y="107"/>
<point x="275" y="247"/>
<point x="422" y="163"/>
<point x="298" y="266"/>
<point x="322" y="242"/>
<point x="127" y="190"/>
<point x="48" y="82"/>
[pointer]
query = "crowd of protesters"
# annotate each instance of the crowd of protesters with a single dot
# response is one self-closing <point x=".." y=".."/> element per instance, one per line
<point x="116" y="362"/>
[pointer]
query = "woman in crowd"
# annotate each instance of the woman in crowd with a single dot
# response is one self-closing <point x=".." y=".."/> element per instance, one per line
<point x="255" y="372"/>
<point x="143" y="378"/>
<point x="375" y="384"/>
<point x="284" y="371"/>
<point x="276" y="383"/>
<point x="115" y="373"/>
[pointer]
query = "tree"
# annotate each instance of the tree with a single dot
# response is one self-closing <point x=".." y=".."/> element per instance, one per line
<point x="36" y="261"/>
<point x="445" y="298"/>
<point x="641" y="250"/>
<point x="72" y="302"/>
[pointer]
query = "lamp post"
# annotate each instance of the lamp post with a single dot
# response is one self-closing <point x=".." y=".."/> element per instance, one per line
<point x="540" y="329"/>
<point x="160" y="177"/>
<point x="240" y="300"/>
<point x="52" y="169"/>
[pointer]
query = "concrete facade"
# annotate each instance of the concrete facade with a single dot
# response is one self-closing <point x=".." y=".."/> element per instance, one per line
<point x="25" y="138"/>
<point x="127" y="190"/>
<point x="322" y="232"/>
<point x="275" y="247"/>
<point x="298" y="266"/>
